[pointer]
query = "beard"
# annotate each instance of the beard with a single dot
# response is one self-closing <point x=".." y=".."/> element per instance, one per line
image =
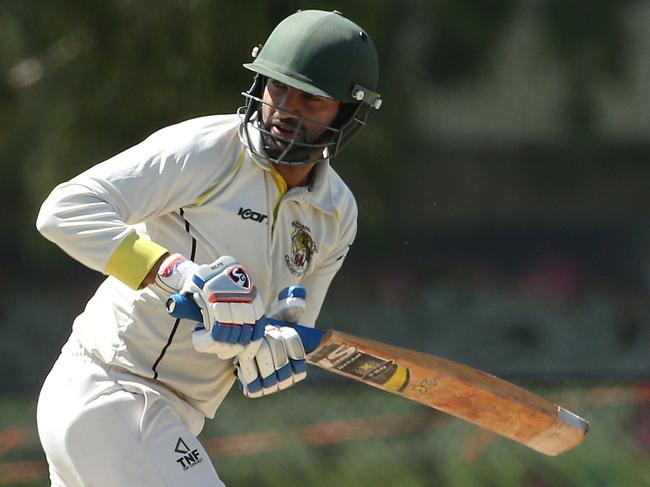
<point x="295" y="128"/>
<point x="295" y="148"/>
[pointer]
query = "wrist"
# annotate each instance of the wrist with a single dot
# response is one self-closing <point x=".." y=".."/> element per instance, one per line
<point x="151" y="275"/>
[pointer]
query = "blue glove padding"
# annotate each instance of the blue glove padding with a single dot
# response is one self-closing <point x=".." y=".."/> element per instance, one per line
<point x="278" y="364"/>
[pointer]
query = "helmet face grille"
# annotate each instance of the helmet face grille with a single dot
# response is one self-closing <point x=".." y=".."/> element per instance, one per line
<point x="258" y="139"/>
<point x="294" y="150"/>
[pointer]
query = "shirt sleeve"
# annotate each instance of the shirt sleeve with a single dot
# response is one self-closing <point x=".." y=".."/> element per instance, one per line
<point x="93" y="216"/>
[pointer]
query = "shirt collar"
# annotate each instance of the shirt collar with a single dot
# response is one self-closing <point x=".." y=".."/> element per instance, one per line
<point x="320" y="189"/>
<point x="318" y="193"/>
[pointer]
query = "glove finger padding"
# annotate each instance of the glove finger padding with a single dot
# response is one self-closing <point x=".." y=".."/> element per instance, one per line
<point x="296" y="353"/>
<point x="203" y="342"/>
<point x="287" y="350"/>
<point x="278" y="364"/>
<point x="257" y="375"/>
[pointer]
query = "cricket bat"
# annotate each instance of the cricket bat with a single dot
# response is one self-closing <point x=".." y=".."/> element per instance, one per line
<point x="462" y="391"/>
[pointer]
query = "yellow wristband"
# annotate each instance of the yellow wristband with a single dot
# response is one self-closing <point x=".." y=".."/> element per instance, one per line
<point x="133" y="259"/>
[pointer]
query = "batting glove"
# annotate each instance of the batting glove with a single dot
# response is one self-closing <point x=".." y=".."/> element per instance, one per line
<point x="233" y="313"/>
<point x="290" y="304"/>
<point x="232" y="310"/>
<point x="280" y="361"/>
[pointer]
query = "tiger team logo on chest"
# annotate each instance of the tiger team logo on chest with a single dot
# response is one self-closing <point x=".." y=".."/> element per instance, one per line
<point x="302" y="249"/>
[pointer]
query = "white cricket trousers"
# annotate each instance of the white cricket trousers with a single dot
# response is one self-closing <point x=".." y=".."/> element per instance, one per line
<point x="104" y="427"/>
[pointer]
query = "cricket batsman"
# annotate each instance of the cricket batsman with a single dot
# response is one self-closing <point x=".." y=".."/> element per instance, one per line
<point x="244" y="213"/>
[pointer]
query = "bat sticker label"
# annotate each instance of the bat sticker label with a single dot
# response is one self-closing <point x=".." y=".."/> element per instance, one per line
<point x="363" y="366"/>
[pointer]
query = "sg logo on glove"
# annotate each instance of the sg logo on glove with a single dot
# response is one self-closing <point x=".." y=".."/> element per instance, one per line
<point x="232" y="285"/>
<point x="238" y="275"/>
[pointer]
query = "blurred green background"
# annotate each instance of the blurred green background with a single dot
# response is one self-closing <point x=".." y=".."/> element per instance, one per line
<point x="504" y="206"/>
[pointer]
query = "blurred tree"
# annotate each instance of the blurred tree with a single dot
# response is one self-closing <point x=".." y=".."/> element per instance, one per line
<point x="590" y="43"/>
<point x="85" y="80"/>
<point x="462" y="38"/>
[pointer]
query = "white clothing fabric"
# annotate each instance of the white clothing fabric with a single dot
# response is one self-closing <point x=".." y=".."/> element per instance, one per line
<point x="105" y="427"/>
<point x="194" y="189"/>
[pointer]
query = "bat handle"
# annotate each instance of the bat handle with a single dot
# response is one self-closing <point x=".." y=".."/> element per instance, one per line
<point x="183" y="307"/>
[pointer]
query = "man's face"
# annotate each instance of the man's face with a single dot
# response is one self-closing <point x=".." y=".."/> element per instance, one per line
<point x="284" y="107"/>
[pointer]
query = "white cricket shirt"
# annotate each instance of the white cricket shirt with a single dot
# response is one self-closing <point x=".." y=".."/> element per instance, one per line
<point x="194" y="189"/>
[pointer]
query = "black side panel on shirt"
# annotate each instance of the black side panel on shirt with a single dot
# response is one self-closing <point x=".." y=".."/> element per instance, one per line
<point x="176" y="323"/>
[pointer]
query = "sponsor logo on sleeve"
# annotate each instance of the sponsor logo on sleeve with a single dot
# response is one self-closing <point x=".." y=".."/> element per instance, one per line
<point x="189" y="458"/>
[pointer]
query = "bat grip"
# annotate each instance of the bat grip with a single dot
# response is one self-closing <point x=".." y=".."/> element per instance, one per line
<point x="184" y="307"/>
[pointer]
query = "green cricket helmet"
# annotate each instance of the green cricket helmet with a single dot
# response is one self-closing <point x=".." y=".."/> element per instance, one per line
<point x="323" y="54"/>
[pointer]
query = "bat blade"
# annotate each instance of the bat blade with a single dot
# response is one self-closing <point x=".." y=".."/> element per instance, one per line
<point x="462" y="391"/>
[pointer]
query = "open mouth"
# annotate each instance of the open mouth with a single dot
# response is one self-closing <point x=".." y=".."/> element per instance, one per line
<point x="284" y="132"/>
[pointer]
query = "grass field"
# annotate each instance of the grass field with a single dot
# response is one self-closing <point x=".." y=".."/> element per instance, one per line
<point x="343" y="434"/>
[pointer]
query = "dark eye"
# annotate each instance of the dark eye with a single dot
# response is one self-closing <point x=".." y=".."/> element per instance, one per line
<point x="277" y="84"/>
<point x="314" y="98"/>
